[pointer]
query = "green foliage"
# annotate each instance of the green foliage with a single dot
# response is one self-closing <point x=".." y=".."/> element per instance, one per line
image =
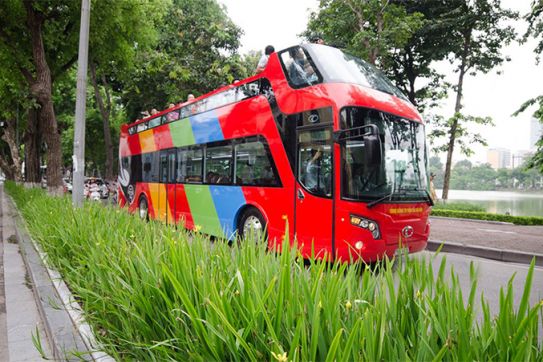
<point x="457" y="206"/>
<point x="518" y="220"/>
<point x="370" y="29"/>
<point x="195" y="53"/>
<point x="466" y="176"/>
<point x="535" y="30"/>
<point x="439" y="137"/>
<point x="535" y="25"/>
<point x="155" y="293"/>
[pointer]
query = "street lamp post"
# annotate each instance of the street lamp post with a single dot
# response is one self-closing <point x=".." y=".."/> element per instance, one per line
<point x="78" y="158"/>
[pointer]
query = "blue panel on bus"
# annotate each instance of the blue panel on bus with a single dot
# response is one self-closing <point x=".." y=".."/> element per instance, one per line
<point x="206" y="127"/>
<point x="227" y="200"/>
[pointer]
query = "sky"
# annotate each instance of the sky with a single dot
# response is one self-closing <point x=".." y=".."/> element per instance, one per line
<point x="279" y="22"/>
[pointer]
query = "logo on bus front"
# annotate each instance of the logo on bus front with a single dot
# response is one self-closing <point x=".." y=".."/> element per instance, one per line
<point x="407" y="231"/>
<point x="314" y="118"/>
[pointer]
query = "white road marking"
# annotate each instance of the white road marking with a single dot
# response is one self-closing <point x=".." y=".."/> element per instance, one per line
<point x="498" y="231"/>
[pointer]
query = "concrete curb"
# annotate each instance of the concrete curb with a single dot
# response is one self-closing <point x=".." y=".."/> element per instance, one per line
<point x="472" y="220"/>
<point x="509" y="256"/>
<point x="69" y="336"/>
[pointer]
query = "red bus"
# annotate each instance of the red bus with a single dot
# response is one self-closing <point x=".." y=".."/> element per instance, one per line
<point x="320" y="140"/>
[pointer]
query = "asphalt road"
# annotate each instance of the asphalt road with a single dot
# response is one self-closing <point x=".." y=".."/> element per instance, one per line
<point x="492" y="276"/>
<point x="528" y="239"/>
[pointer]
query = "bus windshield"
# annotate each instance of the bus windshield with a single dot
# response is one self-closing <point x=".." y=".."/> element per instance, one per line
<point x="341" y="67"/>
<point x="401" y="174"/>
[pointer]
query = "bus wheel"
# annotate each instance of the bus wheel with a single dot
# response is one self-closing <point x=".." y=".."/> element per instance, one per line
<point x="143" y="209"/>
<point x="252" y="224"/>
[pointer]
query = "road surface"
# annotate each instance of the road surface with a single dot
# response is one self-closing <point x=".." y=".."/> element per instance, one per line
<point x="492" y="276"/>
<point x="527" y="239"/>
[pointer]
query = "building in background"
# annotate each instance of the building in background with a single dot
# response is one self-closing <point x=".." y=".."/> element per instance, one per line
<point x="519" y="157"/>
<point x="499" y="158"/>
<point x="536" y="130"/>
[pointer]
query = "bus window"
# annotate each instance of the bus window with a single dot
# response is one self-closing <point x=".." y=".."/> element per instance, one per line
<point x="299" y="68"/>
<point x="141" y="127"/>
<point x="154" y="122"/>
<point x="315" y="161"/>
<point x="164" y="168"/>
<point x="150" y="167"/>
<point x="219" y="164"/>
<point x="172" y="116"/>
<point x="189" y="165"/>
<point x="254" y="165"/>
<point x="171" y="167"/>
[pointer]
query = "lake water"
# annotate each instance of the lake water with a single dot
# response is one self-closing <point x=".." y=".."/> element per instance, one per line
<point x="501" y="202"/>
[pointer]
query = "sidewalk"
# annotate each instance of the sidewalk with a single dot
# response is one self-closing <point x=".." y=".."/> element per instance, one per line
<point x="19" y="317"/>
<point x="487" y="239"/>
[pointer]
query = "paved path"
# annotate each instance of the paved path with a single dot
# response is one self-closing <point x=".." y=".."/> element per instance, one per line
<point x="527" y="239"/>
<point x="19" y="318"/>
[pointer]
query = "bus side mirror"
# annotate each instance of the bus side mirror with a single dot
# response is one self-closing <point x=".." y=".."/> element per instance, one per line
<point x="372" y="150"/>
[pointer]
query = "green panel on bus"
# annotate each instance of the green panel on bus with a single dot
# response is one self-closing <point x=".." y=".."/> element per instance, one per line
<point x="203" y="209"/>
<point x="181" y="132"/>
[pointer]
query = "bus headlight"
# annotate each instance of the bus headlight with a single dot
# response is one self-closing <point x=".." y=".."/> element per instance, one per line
<point x="367" y="224"/>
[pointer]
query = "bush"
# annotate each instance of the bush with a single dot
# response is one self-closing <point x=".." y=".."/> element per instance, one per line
<point x="463" y="206"/>
<point x="518" y="220"/>
<point x="157" y="293"/>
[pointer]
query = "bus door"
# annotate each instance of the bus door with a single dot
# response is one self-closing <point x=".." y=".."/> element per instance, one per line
<point x="314" y="203"/>
<point x="166" y="208"/>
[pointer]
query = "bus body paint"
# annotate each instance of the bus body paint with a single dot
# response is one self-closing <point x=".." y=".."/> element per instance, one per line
<point x="228" y="201"/>
<point x="181" y="133"/>
<point x="183" y="214"/>
<point x="163" y="137"/>
<point x="206" y="127"/>
<point x="147" y="141"/>
<point x="203" y="209"/>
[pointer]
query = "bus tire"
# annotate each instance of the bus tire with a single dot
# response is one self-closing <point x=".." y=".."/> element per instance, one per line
<point x="143" y="208"/>
<point x="252" y="221"/>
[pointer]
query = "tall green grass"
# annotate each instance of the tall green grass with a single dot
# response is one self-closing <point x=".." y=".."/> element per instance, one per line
<point x="155" y="293"/>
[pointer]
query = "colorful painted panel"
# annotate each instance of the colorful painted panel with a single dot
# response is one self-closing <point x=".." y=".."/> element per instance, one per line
<point x="203" y="210"/>
<point x="228" y="200"/>
<point x="206" y="127"/>
<point x="181" y="132"/>
<point x="147" y="141"/>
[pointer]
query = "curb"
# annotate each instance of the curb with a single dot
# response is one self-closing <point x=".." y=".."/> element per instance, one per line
<point x="509" y="256"/>
<point x="472" y="220"/>
<point x="69" y="336"/>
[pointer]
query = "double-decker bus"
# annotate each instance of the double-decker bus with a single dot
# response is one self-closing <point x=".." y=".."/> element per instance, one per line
<point x="320" y="140"/>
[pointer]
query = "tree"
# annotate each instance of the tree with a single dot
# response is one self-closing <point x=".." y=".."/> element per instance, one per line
<point x="436" y="168"/>
<point x="370" y="29"/>
<point x="403" y="37"/>
<point x="535" y="30"/>
<point x="478" y="36"/>
<point x="195" y="53"/>
<point x="12" y="98"/>
<point x="411" y="66"/>
<point x="34" y="34"/>
<point x="118" y="29"/>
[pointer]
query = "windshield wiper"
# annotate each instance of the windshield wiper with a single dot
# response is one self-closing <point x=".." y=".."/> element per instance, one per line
<point x="375" y="202"/>
<point x="401" y="191"/>
<point x="430" y="201"/>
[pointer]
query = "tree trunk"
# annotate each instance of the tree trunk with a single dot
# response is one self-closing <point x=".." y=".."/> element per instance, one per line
<point x="32" y="148"/>
<point x="457" y="108"/>
<point x="9" y="137"/>
<point x="7" y="169"/>
<point x="105" y="121"/>
<point x="41" y="90"/>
